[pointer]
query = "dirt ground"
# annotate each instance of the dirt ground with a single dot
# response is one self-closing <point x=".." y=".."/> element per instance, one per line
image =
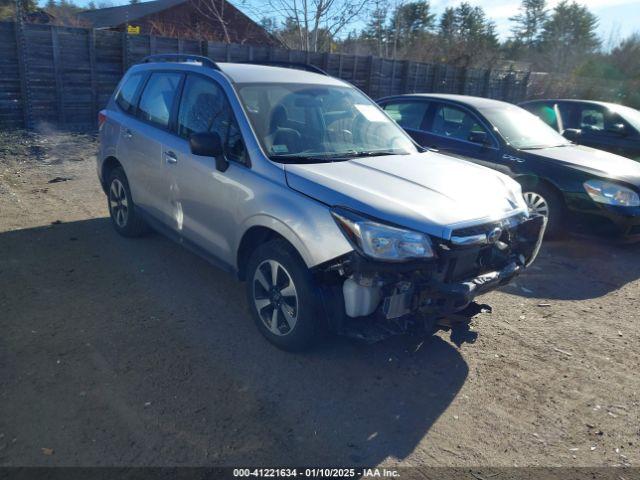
<point x="136" y="352"/>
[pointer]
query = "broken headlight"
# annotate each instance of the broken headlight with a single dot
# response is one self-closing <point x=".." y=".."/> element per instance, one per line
<point x="611" y="193"/>
<point x="382" y="242"/>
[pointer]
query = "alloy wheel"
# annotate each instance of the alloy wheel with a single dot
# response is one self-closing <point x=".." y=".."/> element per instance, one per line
<point x="275" y="297"/>
<point x="536" y="203"/>
<point x="118" y="203"/>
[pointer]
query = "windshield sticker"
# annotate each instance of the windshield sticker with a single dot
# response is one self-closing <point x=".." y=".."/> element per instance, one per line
<point x="279" y="149"/>
<point x="371" y="113"/>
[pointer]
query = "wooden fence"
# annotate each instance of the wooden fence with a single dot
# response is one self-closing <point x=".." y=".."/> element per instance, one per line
<point x="63" y="76"/>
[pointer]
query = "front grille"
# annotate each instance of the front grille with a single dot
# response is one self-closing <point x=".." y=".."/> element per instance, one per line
<point x="505" y="224"/>
<point x="475" y="229"/>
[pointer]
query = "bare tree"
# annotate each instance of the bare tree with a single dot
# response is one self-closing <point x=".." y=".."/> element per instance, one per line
<point x="313" y="19"/>
<point x="214" y="10"/>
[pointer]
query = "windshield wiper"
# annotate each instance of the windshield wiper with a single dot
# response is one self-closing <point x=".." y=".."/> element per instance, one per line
<point x="371" y="153"/>
<point x="541" y="147"/>
<point x="306" y="158"/>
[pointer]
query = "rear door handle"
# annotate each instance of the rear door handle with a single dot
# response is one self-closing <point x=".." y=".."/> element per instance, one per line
<point x="127" y="133"/>
<point x="170" y="157"/>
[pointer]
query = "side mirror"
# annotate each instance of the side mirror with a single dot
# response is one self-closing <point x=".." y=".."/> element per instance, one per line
<point x="209" y="144"/>
<point x="617" y="128"/>
<point x="479" y="137"/>
<point x="572" y="134"/>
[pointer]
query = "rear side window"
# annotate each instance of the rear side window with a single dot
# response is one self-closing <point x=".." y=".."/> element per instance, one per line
<point x="157" y="98"/>
<point x="407" y="115"/>
<point x="204" y="108"/>
<point x="126" y="96"/>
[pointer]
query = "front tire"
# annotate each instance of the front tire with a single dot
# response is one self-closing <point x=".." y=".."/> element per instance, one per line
<point x="283" y="297"/>
<point x="545" y="201"/>
<point x="124" y="217"/>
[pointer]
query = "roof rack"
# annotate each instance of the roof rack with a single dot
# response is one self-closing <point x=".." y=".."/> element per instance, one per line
<point x="296" y="65"/>
<point x="181" y="57"/>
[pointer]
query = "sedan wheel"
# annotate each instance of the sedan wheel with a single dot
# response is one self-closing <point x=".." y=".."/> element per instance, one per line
<point x="536" y="203"/>
<point x="275" y="297"/>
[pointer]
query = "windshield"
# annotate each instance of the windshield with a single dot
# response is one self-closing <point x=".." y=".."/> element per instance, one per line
<point x="522" y="129"/>
<point x="631" y="115"/>
<point x="296" y="123"/>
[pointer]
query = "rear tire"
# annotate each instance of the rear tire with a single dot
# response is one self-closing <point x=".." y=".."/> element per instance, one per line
<point x="546" y="201"/>
<point x="124" y="217"/>
<point x="283" y="297"/>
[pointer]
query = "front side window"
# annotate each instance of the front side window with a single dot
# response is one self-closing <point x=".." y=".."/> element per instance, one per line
<point x="592" y="118"/>
<point x="407" y="114"/>
<point x="157" y="98"/>
<point x="204" y="108"/>
<point x="126" y="96"/>
<point x="455" y="123"/>
<point x="600" y="119"/>
<point x="301" y="122"/>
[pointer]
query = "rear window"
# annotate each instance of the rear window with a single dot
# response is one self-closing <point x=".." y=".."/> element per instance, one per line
<point x="158" y="96"/>
<point x="126" y="96"/>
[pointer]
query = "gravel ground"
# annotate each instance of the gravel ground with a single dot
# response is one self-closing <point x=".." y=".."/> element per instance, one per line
<point x="136" y="352"/>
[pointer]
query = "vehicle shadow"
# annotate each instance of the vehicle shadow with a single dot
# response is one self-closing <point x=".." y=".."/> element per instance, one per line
<point x="578" y="268"/>
<point x="135" y="352"/>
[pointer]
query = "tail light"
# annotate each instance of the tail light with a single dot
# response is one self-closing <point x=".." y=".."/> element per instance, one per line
<point x="102" y="117"/>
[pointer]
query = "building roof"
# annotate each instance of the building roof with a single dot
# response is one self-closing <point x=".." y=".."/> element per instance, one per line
<point x="114" y="16"/>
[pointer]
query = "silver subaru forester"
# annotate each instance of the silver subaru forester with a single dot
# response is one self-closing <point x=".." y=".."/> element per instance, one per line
<point x="304" y="188"/>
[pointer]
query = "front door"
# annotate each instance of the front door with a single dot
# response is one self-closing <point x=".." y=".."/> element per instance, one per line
<point x="456" y="130"/>
<point x="203" y="200"/>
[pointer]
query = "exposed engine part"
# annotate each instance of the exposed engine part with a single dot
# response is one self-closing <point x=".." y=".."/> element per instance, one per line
<point x="361" y="296"/>
<point x="399" y="303"/>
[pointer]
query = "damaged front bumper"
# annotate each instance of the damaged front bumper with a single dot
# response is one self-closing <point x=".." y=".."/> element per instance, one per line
<point x="372" y="300"/>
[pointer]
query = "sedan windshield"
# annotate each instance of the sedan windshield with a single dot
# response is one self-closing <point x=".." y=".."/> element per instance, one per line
<point x="313" y="123"/>
<point x="522" y="129"/>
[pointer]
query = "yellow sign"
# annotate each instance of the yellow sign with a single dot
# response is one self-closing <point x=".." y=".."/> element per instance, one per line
<point x="131" y="30"/>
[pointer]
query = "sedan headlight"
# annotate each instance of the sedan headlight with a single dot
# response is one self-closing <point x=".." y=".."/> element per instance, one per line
<point x="611" y="193"/>
<point x="380" y="241"/>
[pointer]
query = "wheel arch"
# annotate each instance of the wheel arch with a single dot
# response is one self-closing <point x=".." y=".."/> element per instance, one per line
<point x="257" y="235"/>
<point x="531" y="181"/>
<point x="108" y="165"/>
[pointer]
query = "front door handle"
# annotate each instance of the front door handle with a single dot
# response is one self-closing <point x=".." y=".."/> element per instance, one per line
<point x="170" y="157"/>
<point x="127" y="133"/>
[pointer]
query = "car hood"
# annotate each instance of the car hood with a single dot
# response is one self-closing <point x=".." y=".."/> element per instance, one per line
<point x="596" y="162"/>
<point x="427" y="192"/>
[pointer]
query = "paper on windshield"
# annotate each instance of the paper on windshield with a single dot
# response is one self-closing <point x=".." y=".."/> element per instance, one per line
<point x="371" y="113"/>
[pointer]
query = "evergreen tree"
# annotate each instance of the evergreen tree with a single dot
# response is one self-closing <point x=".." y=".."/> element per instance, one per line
<point x="376" y="30"/>
<point x="569" y="36"/>
<point x="529" y="22"/>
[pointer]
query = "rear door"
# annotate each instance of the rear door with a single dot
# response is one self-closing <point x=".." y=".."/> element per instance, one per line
<point x="143" y="139"/>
